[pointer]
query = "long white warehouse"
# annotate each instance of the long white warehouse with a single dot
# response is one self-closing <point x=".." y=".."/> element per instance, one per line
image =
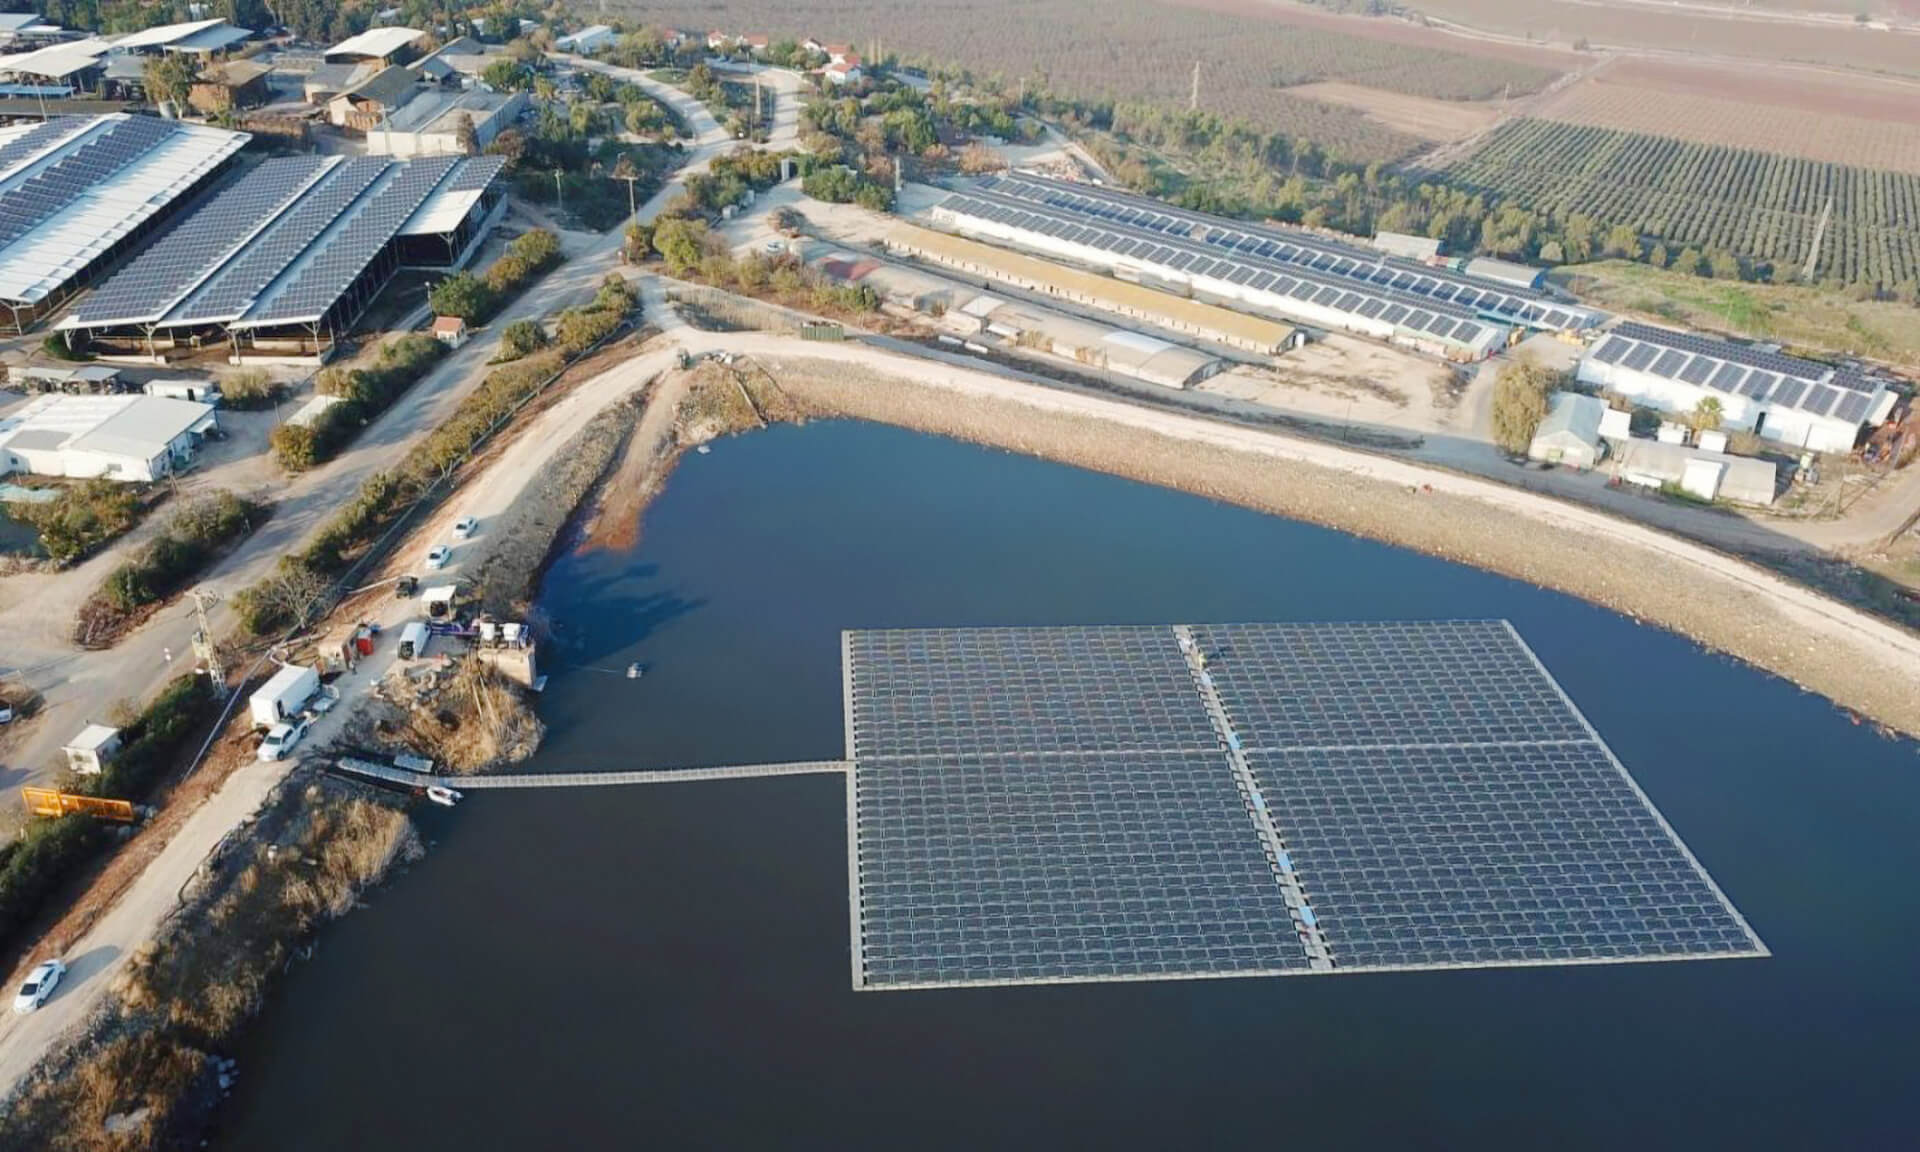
<point x="1291" y="273"/>
<point x="1799" y="403"/>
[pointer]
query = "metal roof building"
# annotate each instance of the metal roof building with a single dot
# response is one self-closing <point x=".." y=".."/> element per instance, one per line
<point x="1570" y="434"/>
<point x="1293" y="273"/>
<point x="134" y="438"/>
<point x="76" y="191"/>
<point x="1801" y="403"/>
<point x="374" y="44"/>
<point x="195" y="37"/>
<point x="287" y="257"/>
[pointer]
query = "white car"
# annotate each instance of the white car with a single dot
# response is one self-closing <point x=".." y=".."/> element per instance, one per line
<point x="465" y="527"/>
<point x="39" y="985"/>
<point x="776" y="246"/>
<point x="281" y="738"/>
<point x="438" y="558"/>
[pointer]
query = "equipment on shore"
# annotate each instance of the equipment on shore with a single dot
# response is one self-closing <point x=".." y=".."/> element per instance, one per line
<point x="48" y="802"/>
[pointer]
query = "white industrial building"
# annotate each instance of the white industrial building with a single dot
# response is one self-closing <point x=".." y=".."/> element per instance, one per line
<point x="429" y="123"/>
<point x="1570" y="434"/>
<point x="79" y="190"/>
<point x="131" y="438"/>
<point x="1287" y="272"/>
<point x="587" y="40"/>
<point x="1795" y="402"/>
<point x="1696" y="471"/>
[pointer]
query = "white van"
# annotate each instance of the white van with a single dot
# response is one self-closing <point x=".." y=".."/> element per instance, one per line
<point x="413" y="641"/>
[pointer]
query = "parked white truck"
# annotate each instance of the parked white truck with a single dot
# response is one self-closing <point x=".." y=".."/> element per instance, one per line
<point x="285" y="695"/>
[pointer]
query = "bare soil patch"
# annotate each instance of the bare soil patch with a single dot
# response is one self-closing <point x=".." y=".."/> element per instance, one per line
<point x="1438" y="120"/>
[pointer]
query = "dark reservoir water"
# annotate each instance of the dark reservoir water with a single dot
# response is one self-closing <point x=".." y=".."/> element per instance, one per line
<point x="667" y="967"/>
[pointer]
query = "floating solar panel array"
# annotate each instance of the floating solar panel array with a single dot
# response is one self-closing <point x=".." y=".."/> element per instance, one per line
<point x="1075" y="804"/>
<point x="1736" y="370"/>
<point x="180" y="258"/>
<point x="119" y="142"/>
<point x="282" y="245"/>
<point x="1420" y="285"/>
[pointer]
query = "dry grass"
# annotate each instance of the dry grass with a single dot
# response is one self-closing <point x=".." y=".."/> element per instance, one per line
<point x="147" y="1065"/>
<point x="464" y="715"/>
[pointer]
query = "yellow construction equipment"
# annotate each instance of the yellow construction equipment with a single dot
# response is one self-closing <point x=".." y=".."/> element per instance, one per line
<point x="47" y="802"/>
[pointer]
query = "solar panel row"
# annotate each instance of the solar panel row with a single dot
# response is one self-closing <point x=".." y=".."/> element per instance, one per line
<point x="36" y="139"/>
<point x="94" y="161"/>
<point x="1307" y="249"/>
<point x="199" y="244"/>
<point x="229" y="295"/>
<point x="326" y="277"/>
<point x="1262" y="270"/>
<point x="1734" y="370"/>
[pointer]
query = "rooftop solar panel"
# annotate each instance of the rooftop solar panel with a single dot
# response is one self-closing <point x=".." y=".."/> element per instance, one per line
<point x="37" y="139"/>
<point x="1419" y="318"/>
<point x="95" y="159"/>
<point x="1372" y="307"/>
<point x="1789" y="392"/>
<point x="1329" y="297"/>
<point x="1466" y="332"/>
<point x="1728" y="378"/>
<point x="1699" y="370"/>
<point x="1669" y="364"/>
<point x="1610" y="350"/>
<point x="1395" y="313"/>
<point x="1070" y="804"/>
<point x="1441" y="326"/>
<point x="317" y="286"/>
<point x="1852" y="407"/>
<point x="1819" y="399"/>
<point x="1640" y="357"/>
<point x="230" y="294"/>
<point x="1759" y="385"/>
<point x="1723" y="350"/>
<point x="200" y="243"/>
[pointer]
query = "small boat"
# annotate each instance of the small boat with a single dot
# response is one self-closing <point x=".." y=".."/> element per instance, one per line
<point x="703" y="449"/>
<point x="634" y="671"/>
<point x="443" y="796"/>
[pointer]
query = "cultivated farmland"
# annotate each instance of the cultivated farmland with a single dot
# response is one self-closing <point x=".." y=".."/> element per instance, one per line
<point x="1141" y="50"/>
<point x="1761" y="206"/>
<point x="1870" y="122"/>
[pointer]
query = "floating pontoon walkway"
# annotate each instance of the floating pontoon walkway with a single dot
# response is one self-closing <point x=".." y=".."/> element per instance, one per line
<point x="371" y="771"/>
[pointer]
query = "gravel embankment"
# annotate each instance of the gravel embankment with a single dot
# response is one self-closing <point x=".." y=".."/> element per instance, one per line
<point x="1719" y="601"/>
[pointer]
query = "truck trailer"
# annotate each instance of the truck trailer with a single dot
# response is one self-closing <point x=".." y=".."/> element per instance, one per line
<point x="281" y="698"/>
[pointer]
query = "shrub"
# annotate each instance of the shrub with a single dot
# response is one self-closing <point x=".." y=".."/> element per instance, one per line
<point x="464" y="295"/>
<point x="294" y="447"/>
<point x="184" y="544"/>
<point x="31" y="867"/>
<point x="82" y="518"/>
<point x="521" y="338"/>
<point x="249" y="390"/>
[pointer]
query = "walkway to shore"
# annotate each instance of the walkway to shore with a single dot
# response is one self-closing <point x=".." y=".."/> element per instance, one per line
<point x="368" y="770"/>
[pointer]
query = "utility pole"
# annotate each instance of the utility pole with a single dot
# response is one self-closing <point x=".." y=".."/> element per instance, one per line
<point x="1193" y="99"/>
<point x="203" y="645"/>
<point x="559" y="197"/>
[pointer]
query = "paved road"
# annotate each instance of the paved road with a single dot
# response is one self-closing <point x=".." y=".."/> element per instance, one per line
<point x="96" y="959"/>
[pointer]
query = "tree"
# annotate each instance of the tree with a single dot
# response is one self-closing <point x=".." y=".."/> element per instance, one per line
<point x="1520" y="403"/>
<point x="624" y="170"/>
<point x="1723" y="265"/>
<point x="170" y="76"/>
<point x="1706" y="414"/>
<point x="680" y="241"/>
<point x="1623" y="241"/>
<point x="1689" y="262"/>
<point x="464" y="136"/>
<point x="461" y="294"/>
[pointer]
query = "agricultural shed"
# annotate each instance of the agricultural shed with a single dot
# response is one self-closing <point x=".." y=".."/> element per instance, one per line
<point x="1570" y="434"/>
